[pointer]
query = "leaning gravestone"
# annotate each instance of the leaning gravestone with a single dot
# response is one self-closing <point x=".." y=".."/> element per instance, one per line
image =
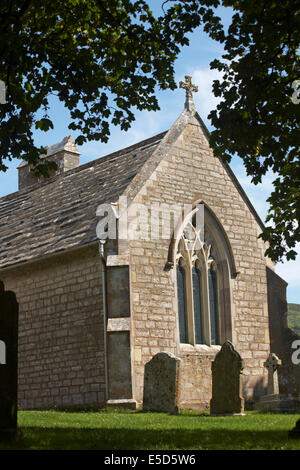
<point x="8" y="364"/>
<point x="161" y="382"/>
<point x="227" y="382"/>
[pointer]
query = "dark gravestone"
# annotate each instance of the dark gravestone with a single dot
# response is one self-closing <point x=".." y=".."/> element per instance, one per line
<point x="295" y="432"/>
<point x="161" y="383"/>
<point x="227" y="382"/>
<point x="8" y="363"/>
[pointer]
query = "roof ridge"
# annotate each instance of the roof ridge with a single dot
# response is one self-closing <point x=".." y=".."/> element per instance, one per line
<point x="118" y="153"/>
<point x="143" y="144"/>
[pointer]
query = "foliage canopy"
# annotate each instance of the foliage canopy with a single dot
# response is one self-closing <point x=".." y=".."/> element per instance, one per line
<point x="105" y="59"/>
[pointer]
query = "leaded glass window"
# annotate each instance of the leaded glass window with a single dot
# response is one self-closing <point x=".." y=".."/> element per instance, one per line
<point x="213" y="306"/>
<point x="197" y="288"/>
<point x="181" y="296"/>
<point x="196" y="275"/>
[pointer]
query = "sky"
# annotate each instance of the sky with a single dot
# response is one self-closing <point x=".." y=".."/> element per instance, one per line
<point x="193" y="60"/>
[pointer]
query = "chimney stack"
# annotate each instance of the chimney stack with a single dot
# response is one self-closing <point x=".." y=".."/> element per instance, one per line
<point x="65" y="154"/>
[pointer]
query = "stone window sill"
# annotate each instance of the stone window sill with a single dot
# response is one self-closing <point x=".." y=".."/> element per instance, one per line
<point x="199" y="349"/>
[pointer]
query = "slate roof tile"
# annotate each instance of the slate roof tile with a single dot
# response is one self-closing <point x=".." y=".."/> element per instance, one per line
<point x="61" y="213"/>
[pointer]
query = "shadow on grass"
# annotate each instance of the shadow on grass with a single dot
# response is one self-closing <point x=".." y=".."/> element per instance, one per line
<point x="135" y="439"/>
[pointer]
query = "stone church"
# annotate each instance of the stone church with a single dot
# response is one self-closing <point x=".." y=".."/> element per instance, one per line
<point x="94" y="309"/>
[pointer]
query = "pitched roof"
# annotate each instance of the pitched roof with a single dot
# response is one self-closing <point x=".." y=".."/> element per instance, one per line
<point x="61" y="213"/>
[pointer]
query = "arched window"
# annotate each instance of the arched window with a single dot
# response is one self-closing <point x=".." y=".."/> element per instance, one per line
<point x="203" y="284"/>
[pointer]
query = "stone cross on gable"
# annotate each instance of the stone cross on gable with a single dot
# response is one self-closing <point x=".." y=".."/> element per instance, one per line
<point x="272" y="364"/>
<point x="189" y="89"/>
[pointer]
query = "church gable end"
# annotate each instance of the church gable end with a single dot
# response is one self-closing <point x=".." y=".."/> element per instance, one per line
<point x="183" y="171"/>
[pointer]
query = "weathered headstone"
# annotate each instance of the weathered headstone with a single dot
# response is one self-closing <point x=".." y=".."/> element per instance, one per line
<point x="161" y="382"/>
<point x="227" y="382"/>
<point x="272" y="364"/>
<point x="295" y="432"/>
<point x="8" y="363"/>
<point x="273" y="400"/>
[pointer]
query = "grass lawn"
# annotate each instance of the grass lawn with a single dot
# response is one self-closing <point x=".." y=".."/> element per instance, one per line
<point x="128" y="430"/>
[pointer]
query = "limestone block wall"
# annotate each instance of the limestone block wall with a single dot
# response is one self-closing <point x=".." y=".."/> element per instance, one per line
<point x="61" y="354"/>
<point x="190" y="173"/>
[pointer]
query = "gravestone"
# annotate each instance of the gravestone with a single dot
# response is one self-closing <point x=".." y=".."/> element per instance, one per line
<point x="161" y="382"/>
<point x="8" y="364"/>
<point x="227" y="396"/>
<point x="295" y="432"/>
<point x="273" y="401"/>
<point x="272" y="364"/>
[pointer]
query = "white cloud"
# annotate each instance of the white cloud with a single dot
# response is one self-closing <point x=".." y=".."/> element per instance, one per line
<point x="147" y="124"/>
<point x="205" y="99"/>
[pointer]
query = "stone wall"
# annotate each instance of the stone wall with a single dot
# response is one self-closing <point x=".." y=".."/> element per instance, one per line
<point x="191" y="173"/>
<point x="61" y="357"/>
